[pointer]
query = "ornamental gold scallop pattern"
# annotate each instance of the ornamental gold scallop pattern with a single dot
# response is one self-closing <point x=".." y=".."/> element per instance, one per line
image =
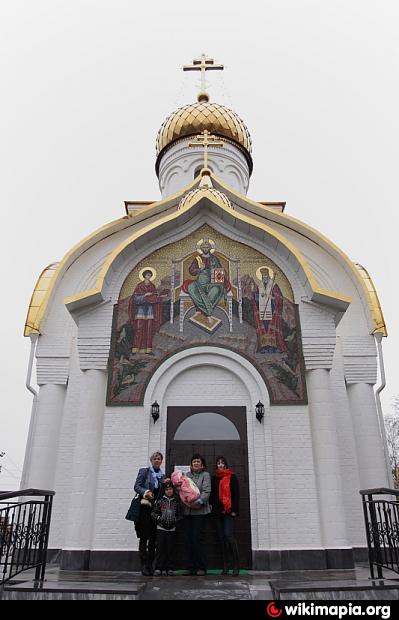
<point x="195" y="117"/>
<point x="204" y="190"/>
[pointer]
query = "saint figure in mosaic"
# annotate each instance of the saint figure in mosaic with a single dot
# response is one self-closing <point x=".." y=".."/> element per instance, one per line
<point x="145" y="311"/>
<point x="268" y="307"/>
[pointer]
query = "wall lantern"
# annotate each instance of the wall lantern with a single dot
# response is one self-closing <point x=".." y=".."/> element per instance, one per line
<point x="260" y="411"/>
<point x="155" y="411"/>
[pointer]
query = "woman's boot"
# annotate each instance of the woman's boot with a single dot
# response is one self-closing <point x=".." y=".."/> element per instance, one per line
<point x="236" y="557"/>
<point x="144" y="564"/>
<point x="225" y="557"/>
<point x="150" y="562"/>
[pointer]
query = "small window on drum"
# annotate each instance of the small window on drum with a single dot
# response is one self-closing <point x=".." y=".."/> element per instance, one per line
<point x="207" y="426"/>
<point x="198" y="170"/>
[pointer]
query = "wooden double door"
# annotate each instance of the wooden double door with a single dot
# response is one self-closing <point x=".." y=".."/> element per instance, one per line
<point x="211" y="432"/>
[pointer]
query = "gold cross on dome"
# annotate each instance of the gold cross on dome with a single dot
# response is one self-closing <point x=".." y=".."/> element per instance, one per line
<point x="203" y="64"/>
<point x="205" y="139"/>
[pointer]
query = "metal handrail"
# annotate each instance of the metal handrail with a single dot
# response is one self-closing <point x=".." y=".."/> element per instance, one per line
<point x="24" y="532"/>
<point x="23" y="492"/>
<point x="380" y="491"/>
<point x="381" y="518"/>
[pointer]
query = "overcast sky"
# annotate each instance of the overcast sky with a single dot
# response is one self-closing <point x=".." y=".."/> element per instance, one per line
<point x="86" y="84"/>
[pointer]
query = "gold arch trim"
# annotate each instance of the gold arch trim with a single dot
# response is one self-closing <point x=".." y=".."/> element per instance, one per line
<point x="344" y="300"/>
<point x="37" y="315"/>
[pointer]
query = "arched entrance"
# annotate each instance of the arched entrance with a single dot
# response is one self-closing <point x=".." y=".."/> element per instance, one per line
<point x="213" y="431"/>
<point x="211" y="379"/>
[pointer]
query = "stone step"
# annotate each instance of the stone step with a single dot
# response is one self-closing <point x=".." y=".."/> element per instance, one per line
<point x="73" y="591"/>
<point x="359" y="590"/>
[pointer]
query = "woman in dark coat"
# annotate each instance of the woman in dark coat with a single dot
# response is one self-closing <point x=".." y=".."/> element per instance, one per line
<point x="195" y="516"/>
<point x="148" y="485"/>
<point x="225" y="499"/>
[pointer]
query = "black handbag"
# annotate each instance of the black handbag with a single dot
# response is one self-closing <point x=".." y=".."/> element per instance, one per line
<point x="134" y="509"/>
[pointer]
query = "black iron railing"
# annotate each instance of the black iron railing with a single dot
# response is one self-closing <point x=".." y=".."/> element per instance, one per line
<point x="381" y="517"/>
<point x="25" y="517"/>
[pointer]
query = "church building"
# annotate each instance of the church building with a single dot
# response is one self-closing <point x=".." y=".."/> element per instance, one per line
<point x="207" y="322"/>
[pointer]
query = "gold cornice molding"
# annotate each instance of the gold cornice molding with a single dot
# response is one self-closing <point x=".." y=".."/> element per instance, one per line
<point x="32" y="323"/>
<point x="378" y="316"/>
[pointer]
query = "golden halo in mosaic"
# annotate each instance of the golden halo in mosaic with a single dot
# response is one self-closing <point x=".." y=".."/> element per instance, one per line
<point x="260" y="270"/>
<point x="151" y="269"/>
<point x="194" y="118"/>
<point x="210" y="242"/>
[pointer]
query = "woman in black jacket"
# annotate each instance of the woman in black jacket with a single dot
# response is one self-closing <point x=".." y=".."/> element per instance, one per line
<point x="225" y="499"/>
<point x="148" y="485"/>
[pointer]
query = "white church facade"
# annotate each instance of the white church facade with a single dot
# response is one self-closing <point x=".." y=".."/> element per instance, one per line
<point x="255" y="336"/>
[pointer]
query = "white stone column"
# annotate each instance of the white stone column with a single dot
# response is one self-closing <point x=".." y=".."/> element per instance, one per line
<point x="369" y="446"/>
<point x="41" y="451"/>
<point x="84" y="474"/>
<point x="326" y="459"/>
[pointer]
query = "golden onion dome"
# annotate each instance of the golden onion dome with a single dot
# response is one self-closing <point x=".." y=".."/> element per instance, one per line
<point x="192" y="119"/>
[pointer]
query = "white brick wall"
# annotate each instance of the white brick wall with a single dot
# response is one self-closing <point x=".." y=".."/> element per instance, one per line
<point x="296" y="508"/>
<point x="124" y="450"/>
<point x="94" y="337"/>
<point x="360" y="361"/>
<point x="318" y="335"/>
<point x="52" y="370"/>
<point x="207" y="385"/>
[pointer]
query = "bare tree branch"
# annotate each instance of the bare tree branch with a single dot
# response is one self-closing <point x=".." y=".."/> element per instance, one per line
<point x="392" y="433"/>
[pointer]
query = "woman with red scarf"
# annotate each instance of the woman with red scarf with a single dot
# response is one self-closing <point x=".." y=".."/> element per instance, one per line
<point x="225" y="498"/>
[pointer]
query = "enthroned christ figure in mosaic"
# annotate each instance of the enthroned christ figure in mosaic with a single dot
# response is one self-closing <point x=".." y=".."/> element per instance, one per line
<point x="211" y="283"/>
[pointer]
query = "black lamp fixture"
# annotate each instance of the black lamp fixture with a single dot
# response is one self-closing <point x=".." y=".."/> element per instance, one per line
<point x="155" y="411"/>
<point x="260" y="411"/>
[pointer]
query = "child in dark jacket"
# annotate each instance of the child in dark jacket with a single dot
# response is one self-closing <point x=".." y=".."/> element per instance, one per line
<point x="166" y="512"/>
